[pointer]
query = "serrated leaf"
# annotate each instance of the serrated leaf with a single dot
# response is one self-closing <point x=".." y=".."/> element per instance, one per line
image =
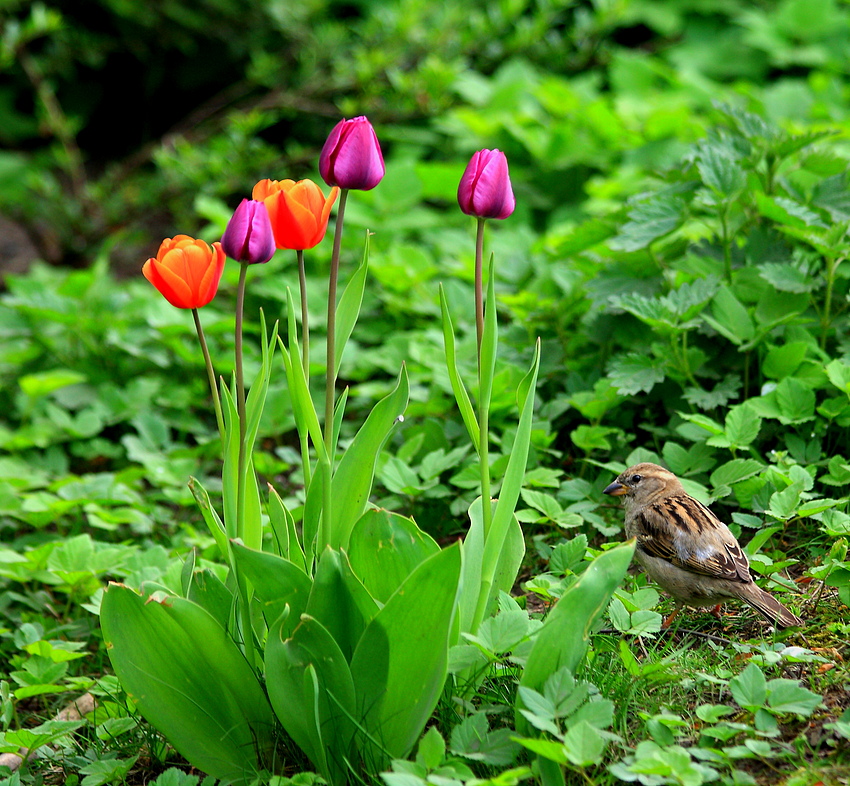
<point x="742" y="426"/>
<point x="787" y="212"/>
<point x="635" y="373"/>
<point x="787" y="277"/>
<point x="839" y="374"/>
<point x="648" y="222"/>
<point x="749" y="688"/>
<point x="720" y="171"/>
<point x="735" y="471"/>
<point x="789" y="696"/>
<point x="783" y="361"/>
<point x="833" y="195"/>
<point x="796" y="401"/>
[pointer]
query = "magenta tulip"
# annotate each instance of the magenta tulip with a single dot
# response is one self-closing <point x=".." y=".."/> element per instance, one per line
<point x="249" y="237"/>
<point x="351" y="156"/>
<point x="485" y="188"/>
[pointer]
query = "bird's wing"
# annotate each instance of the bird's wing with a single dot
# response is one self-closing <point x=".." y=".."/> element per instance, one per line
<point x="684" y="532"/>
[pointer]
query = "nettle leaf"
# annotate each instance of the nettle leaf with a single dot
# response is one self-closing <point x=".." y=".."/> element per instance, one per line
<point x="636" y="373"/>
<point x="647" y="222"/>
<point x="751" y="125"/>
<point x="789" y="696"/>
<point x="690" y="299"/>
<point x="720" y="171"/>
<point x="730" y="318"/>
<point x="788" y="212"/>
<point x="742" y="426"/>
<point x="588" y="438"/>
<point x="718" y="396"/>
<point x="651" y="311"/>
<point x="787" y="277"/>
<point x="833" y="195"/>
<point x="749" y="688"/>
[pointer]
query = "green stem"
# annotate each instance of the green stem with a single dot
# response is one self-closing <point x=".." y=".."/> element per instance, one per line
<point x="240" y="404"/>
<point x="305" y="318"/>
<point x="727" y="247"/>
<point x="330" y="381"/>
<point x="219" y="418"/>
<point x="826" y="317"/>
<point x="479" y="285"/>
<point x="305" y="361"/>
<point x="247" y="628"/>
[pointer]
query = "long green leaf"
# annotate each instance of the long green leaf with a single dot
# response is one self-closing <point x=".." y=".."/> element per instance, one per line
<point x="489" y="340"/>
<point x="562" y="640"/>
<point x="285" y="531"/>
<point x="348" y="308"/>
<point x="352" y="481"/>
<point x="190" y="681"/>
<point x="311" y="690"/>
<point x="461" y="396"/>
<point x="511" y="486"/>
<point x="340" y="601"/>
<point x="400" y="664"/>
<point x="211" y="518"/>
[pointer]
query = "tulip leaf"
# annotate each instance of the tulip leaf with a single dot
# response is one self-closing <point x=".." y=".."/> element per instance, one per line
<point x="211" y="518"/>
<point x="190" y="681"/>
<point x="461" y="396"/>
<point x="511" y="486"/>
<point x="509" y="561"/>
<point x="562" y="640"/>
<point x="384" y="550"/>
<point x="352" y="482"/>
<point x="285" y="532"/>
<point x="277" y="582"/>
<point x="312" y="693"/>
<point x="400" y="664"/>
<point x="209" y="592"/>
<point x="348" y="308"/>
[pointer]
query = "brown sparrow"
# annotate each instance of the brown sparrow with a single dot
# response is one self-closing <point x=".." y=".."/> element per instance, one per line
<point x="685" y="548"/>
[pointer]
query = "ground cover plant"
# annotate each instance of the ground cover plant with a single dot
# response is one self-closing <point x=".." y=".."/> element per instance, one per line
<point x="678" y="246"/>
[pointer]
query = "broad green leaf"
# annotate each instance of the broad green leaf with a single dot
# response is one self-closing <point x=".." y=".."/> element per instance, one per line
<point x="562" y="640"/>
<point x="735" y="471"/>
<point x="583" y="744"/>
<point x="796" y="401"/>
<point x="208" y="591"/>
<point x="385" y="548"/>
<point x="352" y="481"/>
<point x="43" y="383"/>
<point x="839" y="374"/>
<point x="647" y="222"/>
<point x="431" y="750"/>
<point x="190" y="681"/>
<point x="633" y="373"/>
<point x="742" y="426"/>
<point x="749" y="688"/>
<point x="277" y="582"/>
<point x="783" y="361"/>
<point x="339" y="601"/>
<point x="348" y="308"/>
<point x="461" y="396"/>
<point x="400" y="663"/>
<point x="787" y="212"/>
<point x="787" y="277"/>
<point x="312" y="692"/>
<point x="776" y="308"/>
<point x="720" y="172"/>
<point x="730" y="318"/>
<point x="832" y="195"/>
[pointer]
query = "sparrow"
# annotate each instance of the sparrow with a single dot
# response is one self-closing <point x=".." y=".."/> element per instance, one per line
<point x="685" y="548"/>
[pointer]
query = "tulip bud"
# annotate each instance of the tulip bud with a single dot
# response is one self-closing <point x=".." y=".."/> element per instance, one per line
<point x="186" y="271"/>
<point x="351" y="156"/>
<point x="485" y="187"/>
<point x="248" y="237"/>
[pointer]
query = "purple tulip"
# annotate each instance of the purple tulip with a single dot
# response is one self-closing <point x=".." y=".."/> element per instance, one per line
<point x="485" y="188"/>
<point x="249" y="237"/>
<point x="351" y="156"/>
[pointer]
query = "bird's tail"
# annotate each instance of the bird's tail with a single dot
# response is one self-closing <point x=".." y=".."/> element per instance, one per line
<point x="771" y="608"/>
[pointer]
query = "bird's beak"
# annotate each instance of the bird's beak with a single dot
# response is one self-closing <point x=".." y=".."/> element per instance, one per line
<point x="616" y="489"/>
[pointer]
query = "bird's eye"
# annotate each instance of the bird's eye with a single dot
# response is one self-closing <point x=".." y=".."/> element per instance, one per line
<point x="636" y="478"/>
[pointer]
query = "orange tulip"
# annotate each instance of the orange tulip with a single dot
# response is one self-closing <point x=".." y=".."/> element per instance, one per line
<point x="299" y="211"/>
<point x="186" y="271"/>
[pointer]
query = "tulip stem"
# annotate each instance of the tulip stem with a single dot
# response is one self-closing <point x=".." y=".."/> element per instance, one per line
<point x="305" y="361"/>
<point x="330" y="383"/>
<point x="247" y="628"/>
<point x="219" y="418"/>
<point x="479" y="285"/>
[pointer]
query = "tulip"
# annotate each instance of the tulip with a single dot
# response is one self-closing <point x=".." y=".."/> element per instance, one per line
<point x="299" y="211"/>
<point x="351" y="156"/>
<point x="248" y="237"/>
<point x="186" y="271"/>
<point x="485" y="188"/>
